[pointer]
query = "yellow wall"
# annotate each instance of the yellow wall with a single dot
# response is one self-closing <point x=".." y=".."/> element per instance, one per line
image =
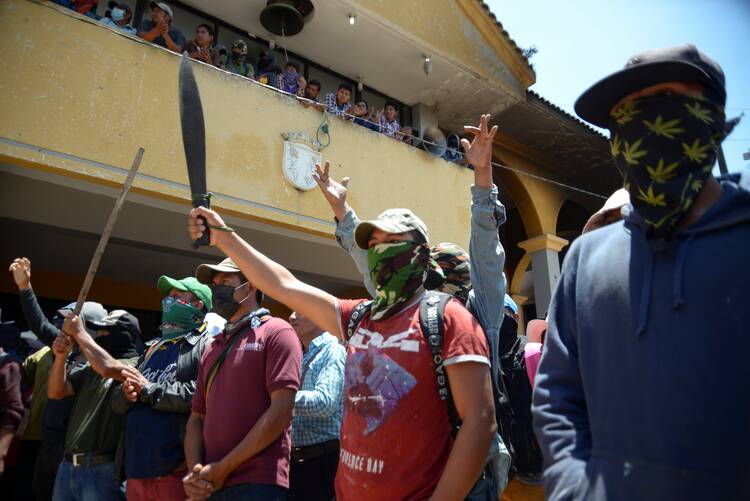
<point x="461" y="30"/>
<point x="89" y="96"/>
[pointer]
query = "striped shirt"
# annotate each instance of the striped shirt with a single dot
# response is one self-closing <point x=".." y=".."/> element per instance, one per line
<point x="390" y="129"/>
<point x="333" y="107"/>
<point x="318" y="405"/>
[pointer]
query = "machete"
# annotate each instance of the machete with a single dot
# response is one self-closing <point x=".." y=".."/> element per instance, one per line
<point x="194" y="141"/>
<point x="94" y="264"/>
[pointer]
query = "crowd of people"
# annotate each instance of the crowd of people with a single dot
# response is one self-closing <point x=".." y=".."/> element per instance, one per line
<point x="426" y="389"/>
<point x="341" y="103"/>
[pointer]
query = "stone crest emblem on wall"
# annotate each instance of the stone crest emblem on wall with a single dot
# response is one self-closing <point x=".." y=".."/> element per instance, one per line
<point x="301" y="153"/>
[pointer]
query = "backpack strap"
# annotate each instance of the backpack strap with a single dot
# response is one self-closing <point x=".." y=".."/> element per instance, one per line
<point x="355" y="319"/>
<point x="432" y="325"/>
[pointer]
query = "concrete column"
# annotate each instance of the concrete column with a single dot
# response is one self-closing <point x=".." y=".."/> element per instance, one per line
<point x="545" y="266"/>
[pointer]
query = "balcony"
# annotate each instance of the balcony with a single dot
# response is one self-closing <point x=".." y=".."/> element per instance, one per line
<point x="80" y="98"/>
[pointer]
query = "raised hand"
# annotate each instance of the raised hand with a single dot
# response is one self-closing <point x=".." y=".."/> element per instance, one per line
<point x="62" y="345"/>
<point x="335" y="193"/>
<point x="196" y="227"/>
<point x="72" y="326"/>
<point x="21" y="270"/>
<point x="478" y="152"/>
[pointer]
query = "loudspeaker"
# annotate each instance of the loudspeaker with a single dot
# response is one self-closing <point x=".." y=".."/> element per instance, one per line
<point x="286" y="17"/>
<point x="433" y="140"/>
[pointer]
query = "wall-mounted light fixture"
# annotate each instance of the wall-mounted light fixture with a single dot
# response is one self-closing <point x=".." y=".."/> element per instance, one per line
<point x="427" y="66"/>
<point x="352" y="19"/>
<point x="360" y="84"/>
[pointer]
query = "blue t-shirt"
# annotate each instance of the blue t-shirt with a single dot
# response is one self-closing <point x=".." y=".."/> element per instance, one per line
<point x="153" y="446"/>
<point x="174" y="33"/>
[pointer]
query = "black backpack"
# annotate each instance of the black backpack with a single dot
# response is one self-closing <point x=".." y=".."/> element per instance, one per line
<point x="527" y="456"/>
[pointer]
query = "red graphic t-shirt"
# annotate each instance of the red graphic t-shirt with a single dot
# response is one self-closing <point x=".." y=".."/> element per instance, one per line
<point x="396" y="435"/>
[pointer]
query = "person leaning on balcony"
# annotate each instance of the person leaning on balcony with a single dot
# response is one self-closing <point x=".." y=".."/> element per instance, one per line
<point x="388" y="123"/>
<point x="338" y="103"/>
<point x="201" y="48"/>
<point x="363" y="116"/>
<point x="312" y="91"/>
<point x="291" y="81"/>
<point x="396" y="440"/>
<point x="118" y="17"/>
<point x="88" y="467"/>
<point x="159" y="29"/>
<point x="238" y="63"/>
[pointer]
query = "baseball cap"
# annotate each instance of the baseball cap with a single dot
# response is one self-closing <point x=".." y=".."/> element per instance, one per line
<point x="205" y="274"/>
<point x="615" y="201"/>
<point x="240" y="44"/>
<point x="187" y="284"/>
<point x="120" y="5"/>
<point x="163" y="6"/>
<point x="509" y="303"/>
<point x="390" y="221"/>
<point x="682" y="63"/>
<point x="89" y="311"/>
<point x="117" y="318"/>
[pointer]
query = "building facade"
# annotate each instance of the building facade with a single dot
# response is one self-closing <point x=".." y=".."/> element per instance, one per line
<point x="78" y="99"/>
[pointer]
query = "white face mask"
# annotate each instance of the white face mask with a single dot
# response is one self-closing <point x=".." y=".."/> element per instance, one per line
<point x="117" y="14"/>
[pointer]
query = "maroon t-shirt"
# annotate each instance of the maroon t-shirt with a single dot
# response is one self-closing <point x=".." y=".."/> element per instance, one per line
<point x="261" y="361"/>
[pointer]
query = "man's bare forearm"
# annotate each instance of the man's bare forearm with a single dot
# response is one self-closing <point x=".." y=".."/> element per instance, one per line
<point x="102" y="362"/>
<point x="57" y="378"/>
<point x="194" y="441"/>
<point x="467" y="458"/>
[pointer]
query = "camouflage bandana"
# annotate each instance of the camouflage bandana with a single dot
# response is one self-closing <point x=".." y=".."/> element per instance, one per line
<point x="456" y="269"/>
<point x="665" y="146"/>
<point x="397" y="270"/>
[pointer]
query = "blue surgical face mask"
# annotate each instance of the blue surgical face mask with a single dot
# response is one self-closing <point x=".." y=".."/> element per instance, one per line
<point x="117" y="14"/>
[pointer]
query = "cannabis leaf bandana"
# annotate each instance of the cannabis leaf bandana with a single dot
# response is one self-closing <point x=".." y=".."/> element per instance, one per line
<point x="397" y="270"/>
<point x="665" y="147"/>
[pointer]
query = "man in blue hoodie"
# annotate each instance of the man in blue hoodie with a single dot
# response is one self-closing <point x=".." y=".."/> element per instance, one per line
<point x="641" y="390"/>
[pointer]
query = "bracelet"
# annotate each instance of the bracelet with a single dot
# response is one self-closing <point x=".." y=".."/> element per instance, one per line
<point x="221" y="228"/>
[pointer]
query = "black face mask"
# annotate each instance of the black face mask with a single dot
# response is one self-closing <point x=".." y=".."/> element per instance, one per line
<point x="508" y="333"/>
<point x="119" y="343"/>
<point x="223" y="297"/>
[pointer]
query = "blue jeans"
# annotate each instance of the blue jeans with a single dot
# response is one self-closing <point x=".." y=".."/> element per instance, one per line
<point x="86" y="483"/>
<point x="251" y="492"/>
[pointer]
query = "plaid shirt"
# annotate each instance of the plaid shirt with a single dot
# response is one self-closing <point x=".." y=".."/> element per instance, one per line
<point x="333" y="108"/>
<point x="319" y="405"/>
<point x="390" y="129"/>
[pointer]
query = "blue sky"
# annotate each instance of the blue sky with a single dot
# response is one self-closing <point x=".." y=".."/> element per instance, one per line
<point x="581" y="41"/>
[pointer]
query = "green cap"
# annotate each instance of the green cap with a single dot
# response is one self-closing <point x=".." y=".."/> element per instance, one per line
<point x="390" y="221"/>
<point x="187" y="284"/>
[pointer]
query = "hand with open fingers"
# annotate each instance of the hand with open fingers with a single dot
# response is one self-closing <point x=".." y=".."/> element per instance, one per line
<point x="62" y="345"/>
<point x="196" y="227"/>
<point x="73" y="326"/>
<point x="21" y="270"/>
<point x="335" y="193"/>
<point x="478" y="152"/>
<point x="196" y="488"/>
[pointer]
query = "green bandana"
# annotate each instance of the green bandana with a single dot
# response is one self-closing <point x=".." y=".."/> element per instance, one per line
<point x="178" y="318"/>
<point x="665" y="146"/>
<point x="397" y="270"/>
